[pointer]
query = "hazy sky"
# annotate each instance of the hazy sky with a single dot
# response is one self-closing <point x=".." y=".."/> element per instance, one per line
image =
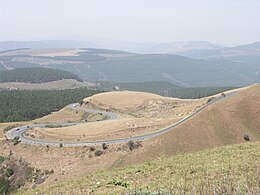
<point x="228" y="22"/>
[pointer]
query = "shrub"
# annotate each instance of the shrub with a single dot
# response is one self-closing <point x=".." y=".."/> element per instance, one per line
<point x="48" y="172"/>
<point x="98" y="153"/>
<point x="10" y="127"/>
<point x="81" y="101"/>
<point x="92" y="149"/>
<point x="16" y="140"/>
<point x="133" y="145"/>
<point x="53" y="126"/>
<point x="61" y="145"/>
<point x="210" y="99"/>
<point x="119" y="182"/>
<point x="104" y="146"/>
<point x="4" y="185"/>
<point x="20" y="171"/>
<point x="9" y="172"/>
<point x="2" y="159"/>
<point x="246" y="137"/>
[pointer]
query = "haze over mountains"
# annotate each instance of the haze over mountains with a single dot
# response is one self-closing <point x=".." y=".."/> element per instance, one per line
<point x="202" y="64"/>
<point x="193" y="49"/>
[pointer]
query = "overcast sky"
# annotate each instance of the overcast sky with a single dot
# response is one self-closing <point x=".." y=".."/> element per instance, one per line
<point x="227" y="22"/>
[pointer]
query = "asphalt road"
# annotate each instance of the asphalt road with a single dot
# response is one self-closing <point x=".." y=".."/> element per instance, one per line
<point x="11" y="134"/>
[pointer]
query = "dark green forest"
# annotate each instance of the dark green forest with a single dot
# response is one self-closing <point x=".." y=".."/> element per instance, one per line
<point x="35" y="75"/>
<point x="198" y="92"/>
<point x="27" y="105"/>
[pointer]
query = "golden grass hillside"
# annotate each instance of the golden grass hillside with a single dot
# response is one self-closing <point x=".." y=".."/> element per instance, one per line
<point x="227" y="170"/>
<point x="122" y="99"/>
<point x="139" y="113"/>
<point x="236" y="115"/>
<point x="223" y="123"/>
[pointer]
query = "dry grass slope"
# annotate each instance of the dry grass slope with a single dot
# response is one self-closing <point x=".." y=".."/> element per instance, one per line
<point x="122" y="99"/>
<point x="223" y="123"/>
<point x="227" y="170"/>
<point x="140" y="113"/>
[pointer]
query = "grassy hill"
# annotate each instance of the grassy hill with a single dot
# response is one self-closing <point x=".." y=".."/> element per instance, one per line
<point x="223" y="123"/>
<point x="184" y="160"/>
<point x="35" y="75"/>
<point x="226" y="170"/>
<point x="164" y="89"/>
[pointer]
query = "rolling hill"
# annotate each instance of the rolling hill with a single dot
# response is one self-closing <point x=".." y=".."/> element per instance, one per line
<point x="162" y="159"/>
<point x="223" y="123"/>
<point x="164" y="89"/>
<point x="125" y="67"/>
<point x="250" y="50"/>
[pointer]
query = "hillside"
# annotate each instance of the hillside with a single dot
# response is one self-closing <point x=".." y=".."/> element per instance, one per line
<point x="126" y="67"/>
<point x="122" y="99"/>
<point x="138" y="113"/>
<point x="249" y="50"/>
<point x="223" y="123"/>
<point x="224" y="170"/>
<point x="35" y="75"/>
<point x="164" y="89"/>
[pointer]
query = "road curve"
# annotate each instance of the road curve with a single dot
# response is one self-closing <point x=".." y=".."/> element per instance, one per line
<point x="11" y="134"/>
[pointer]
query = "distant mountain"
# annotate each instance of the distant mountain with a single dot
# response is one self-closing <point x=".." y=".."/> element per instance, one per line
<point x="242" y="50"/>
<point x="172" y="47"/>
<point x="225" y="52"/>
<point x="9" y="45"/>
<point x="124" y="67"/>
<point x="253" y="46"/>
<point x="177" y="47"/>
<point x="192" y="49"/>
<point x="35" y="75"/>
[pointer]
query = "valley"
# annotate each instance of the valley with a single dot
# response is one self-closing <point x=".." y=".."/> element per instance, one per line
<point x="73" y="122"/>
<point x="130" y="97"/>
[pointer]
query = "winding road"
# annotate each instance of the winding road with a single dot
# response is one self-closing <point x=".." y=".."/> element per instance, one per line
<point x="19" y="131"/>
